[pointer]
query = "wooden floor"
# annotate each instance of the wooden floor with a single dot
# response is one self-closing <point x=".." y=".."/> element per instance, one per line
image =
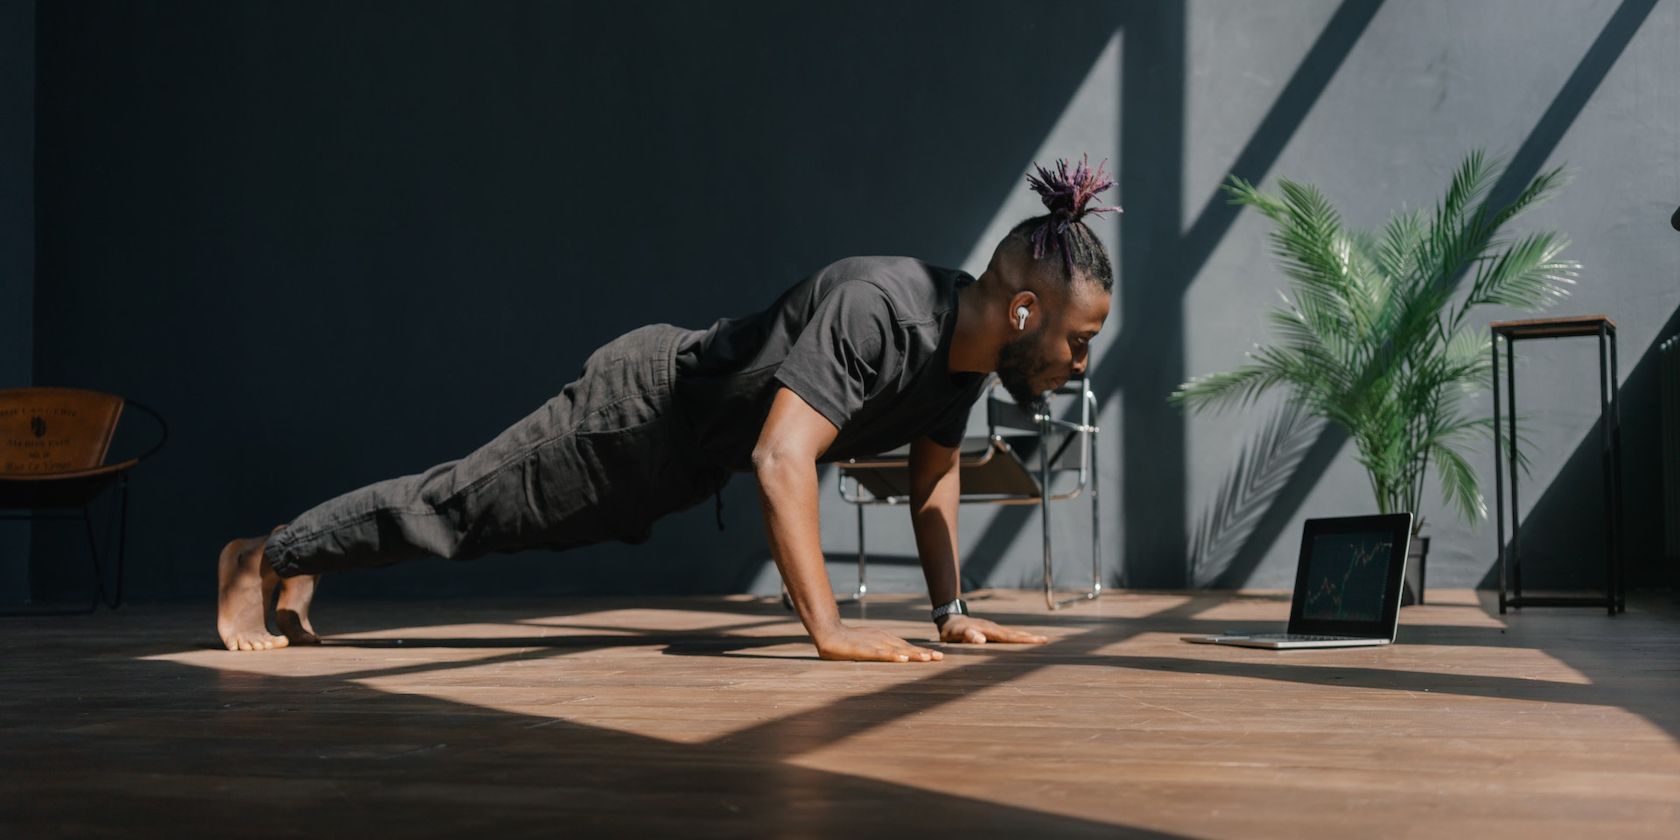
<point x="711" y="717"/>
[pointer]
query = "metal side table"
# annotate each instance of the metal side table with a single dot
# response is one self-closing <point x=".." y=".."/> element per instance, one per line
<point x="1610" y="449"/>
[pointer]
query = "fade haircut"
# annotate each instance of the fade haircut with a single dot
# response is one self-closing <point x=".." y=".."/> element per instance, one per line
<point x="1066" y="195"/>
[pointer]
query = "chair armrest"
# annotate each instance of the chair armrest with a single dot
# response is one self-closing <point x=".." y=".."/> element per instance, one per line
<point x="72" y="475"/>
<point x="61" y="489"/>
<point x="974" y="452"/>
<point x="163" y="429"/>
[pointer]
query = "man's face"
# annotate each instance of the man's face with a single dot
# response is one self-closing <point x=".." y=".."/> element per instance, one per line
<point x="1045" y="358"/>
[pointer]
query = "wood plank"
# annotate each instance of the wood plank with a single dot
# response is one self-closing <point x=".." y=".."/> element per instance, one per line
<point x="712" y="717"/>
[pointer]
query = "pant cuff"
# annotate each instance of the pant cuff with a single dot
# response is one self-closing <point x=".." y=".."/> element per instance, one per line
<point x="274" y="553"/>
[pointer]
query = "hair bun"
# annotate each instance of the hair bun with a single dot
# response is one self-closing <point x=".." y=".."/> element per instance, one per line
<point x="1067" y="196"/>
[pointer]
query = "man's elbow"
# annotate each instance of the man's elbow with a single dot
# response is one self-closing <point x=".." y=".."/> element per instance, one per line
<point x="775" y="460"/>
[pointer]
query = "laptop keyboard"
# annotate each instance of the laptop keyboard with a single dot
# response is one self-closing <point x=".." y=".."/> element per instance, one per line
<point x="1299" y="637"/>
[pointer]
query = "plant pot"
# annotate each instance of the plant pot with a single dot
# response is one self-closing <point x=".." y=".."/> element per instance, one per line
<point x="1411" y="588"/>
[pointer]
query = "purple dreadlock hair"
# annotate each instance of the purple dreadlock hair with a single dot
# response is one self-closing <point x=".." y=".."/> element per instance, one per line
<point x="1066" y="195"/>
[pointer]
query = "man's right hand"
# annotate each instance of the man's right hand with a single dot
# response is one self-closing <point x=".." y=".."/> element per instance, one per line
<point x="866" y="644"/>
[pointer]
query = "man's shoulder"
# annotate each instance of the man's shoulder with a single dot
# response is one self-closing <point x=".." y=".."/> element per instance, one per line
<point x="914" y="290"/>
<point x="889" y="269"/>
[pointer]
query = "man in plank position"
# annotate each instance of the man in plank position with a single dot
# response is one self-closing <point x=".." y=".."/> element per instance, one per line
<point x="863" y="356"/>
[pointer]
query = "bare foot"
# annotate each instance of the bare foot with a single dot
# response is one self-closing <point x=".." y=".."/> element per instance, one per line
<point x="239" y="597"/>
<point x="291" y="612"/>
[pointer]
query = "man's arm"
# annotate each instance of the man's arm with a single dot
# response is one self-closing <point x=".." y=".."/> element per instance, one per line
<point x="934" y="489"/>
<point x="785" y="460"/>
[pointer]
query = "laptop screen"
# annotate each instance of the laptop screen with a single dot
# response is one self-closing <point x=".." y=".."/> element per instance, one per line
<point x="1347" y="575"/>
<point x="1348" y="579"/>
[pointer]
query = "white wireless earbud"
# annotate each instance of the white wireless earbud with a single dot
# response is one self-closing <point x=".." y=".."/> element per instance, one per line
<point x="1020" y="317"/>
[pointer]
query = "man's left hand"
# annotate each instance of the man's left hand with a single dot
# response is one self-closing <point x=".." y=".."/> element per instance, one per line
<point x="978" y="631"/>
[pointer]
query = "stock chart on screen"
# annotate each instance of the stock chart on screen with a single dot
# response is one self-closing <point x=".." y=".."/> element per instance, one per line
<point x="1346" y="576"/>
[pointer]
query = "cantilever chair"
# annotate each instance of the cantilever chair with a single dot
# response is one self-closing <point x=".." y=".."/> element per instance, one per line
<point x="53" y="443"/>
<point x="994" y="470"/>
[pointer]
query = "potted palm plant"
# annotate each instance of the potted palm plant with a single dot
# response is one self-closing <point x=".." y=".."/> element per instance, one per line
<point x="1376" y="335"/>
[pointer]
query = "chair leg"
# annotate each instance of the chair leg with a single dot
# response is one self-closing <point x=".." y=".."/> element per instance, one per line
<point x="93" y="602"/>
<point x="1044" y="509"/>
<point x="1096" y="518"/>
<point x="112" y="601"/>
<point x="122" y="540"/>
<point x="1045" y="438"/>
<point x="863" y="563"/>
<point x="93" y="550"/>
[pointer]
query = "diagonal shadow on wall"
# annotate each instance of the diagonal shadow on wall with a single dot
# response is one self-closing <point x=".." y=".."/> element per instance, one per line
<point x="1157" y="264"/>
<point x="1523" y="166"/>
<point x="1152" y="325"/>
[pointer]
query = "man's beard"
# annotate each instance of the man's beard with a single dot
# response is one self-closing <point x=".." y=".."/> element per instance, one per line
<point x="1018" y="366"/>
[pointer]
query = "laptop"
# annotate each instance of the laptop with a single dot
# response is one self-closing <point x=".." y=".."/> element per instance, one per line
<point x="1347" y="586"/>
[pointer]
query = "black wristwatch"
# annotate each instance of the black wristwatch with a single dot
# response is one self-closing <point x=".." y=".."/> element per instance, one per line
<point x="955" y="607"/>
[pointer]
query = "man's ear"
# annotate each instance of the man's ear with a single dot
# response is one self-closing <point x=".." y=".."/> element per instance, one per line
<point x="1022" y="300"/>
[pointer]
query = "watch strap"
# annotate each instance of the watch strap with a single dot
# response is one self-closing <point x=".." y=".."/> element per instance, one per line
<point x="956" y="606"/>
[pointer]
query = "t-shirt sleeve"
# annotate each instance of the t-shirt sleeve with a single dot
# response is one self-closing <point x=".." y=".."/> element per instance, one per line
<point x="835" y="362"/>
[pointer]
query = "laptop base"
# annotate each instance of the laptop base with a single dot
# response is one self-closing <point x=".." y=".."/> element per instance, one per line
<point x="1285" y="641"/>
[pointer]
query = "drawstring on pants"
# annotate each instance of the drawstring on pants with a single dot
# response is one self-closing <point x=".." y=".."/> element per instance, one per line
<point x="718" y="496"/>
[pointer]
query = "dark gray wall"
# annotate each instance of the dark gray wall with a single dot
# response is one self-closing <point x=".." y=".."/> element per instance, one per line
<point x="339" y="242"/>
<point x="17" y="245"/>
<point x="335" y="244"/>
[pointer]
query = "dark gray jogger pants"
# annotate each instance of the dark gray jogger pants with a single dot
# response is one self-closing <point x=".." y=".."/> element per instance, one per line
<point x="601" y="461"/>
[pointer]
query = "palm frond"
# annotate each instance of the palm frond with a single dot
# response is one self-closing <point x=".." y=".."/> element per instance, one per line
<point x="1458" y="481"/>
<point x="1400" y="246"/>
<point x="1526" y="275"/>
<point x="1453" y="235"/>
<point x="1223" y="390"/>
<point x="1542" y="188"/>
<point x="1470" y="183"/>
<point x="1308" y="242"/>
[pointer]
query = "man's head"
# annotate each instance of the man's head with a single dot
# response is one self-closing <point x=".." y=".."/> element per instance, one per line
<point x="1047" y="288"/>
<point x="1049" y="320"/>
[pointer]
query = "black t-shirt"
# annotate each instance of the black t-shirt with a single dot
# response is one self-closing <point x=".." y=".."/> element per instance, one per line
<point x="864" y="341"/>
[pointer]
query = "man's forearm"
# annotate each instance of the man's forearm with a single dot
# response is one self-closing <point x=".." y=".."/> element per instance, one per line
<point x="934" y="520"/>
<point x="788" y="491"/>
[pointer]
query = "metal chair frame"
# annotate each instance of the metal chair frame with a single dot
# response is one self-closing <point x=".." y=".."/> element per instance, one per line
<point x="1045" y="424"/>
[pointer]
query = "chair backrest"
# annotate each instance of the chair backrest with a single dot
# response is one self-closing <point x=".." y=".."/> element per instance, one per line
<point x="1017" y="425"/>
<point x="54" y="430"/>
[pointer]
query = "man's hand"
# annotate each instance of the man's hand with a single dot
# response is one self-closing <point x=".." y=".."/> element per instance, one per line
<point x="867" y="644"/>
<point x="978" y="631"/>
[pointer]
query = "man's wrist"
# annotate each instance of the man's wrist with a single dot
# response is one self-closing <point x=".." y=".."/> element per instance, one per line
<point x="943" y="612"/>
<point x="822" y="628"/>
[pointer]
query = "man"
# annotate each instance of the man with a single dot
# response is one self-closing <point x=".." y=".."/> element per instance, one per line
<point x="865" y="355"/>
